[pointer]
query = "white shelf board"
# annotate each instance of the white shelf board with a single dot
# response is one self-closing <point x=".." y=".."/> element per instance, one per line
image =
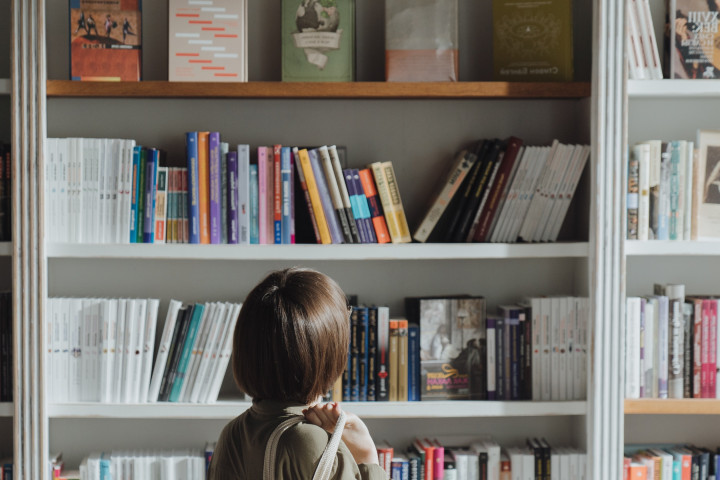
<point x="5" y="249"/>
<point x="412" y="251"/>
<point x="673" y="88"/>
<point x="5" y="86"/>
<point x="227" y="410"/>
<point x="658" y="248"/>
<point x="6" y="409"/>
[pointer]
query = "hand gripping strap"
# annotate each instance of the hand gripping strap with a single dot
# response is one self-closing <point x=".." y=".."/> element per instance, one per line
<point x="324" y="468"/>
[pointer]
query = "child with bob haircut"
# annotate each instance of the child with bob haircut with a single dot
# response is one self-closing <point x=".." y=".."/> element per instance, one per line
<point x="289" y="346"/>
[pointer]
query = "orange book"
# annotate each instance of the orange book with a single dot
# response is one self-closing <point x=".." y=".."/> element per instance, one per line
<point x="316" y="204"/>
<point x="204" y="186"/>
<point x="277" y="195"/>
<point x="638" y="471"/>
<point x="376" y="213"/>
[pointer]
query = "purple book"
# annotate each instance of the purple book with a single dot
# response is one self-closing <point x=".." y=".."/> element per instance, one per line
<point x="355" y="205"/>
<point x="215" y="188"/>
<point x="232" y="185"/>
<point x="330" y="215"/>
<point x="151" y="167"/>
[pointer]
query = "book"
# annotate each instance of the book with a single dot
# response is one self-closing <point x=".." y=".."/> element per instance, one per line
<point x="161" y="205"/>
<point x="389" y="193"/>
<point x="532" y="41"/>
<point x="106" y="40"/>
<point x="326" y="164"/>
<point x="690" y="33"/>
<point x="193" y="186"/>
<point x="344" y="195"/>
<point x="204" y="185"/>
<point x="207" y="42"/>
<point x="331" y="215"/>
<point x="314" y="194"/>
<point x="365" y="186"/>
<point x="318" y="40"/>
<point x="421" y="41"/>
<point x="706" y="216"/>
<point x="214" y="195"/>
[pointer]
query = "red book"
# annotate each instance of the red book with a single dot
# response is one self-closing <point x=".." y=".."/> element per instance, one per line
<point x="277" y="195"/>
<point x="697" y="347"/>
<point x="626" y="468"/>
<point x="429" y="449"/>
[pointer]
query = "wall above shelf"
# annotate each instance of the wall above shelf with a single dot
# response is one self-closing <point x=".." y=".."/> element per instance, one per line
<point x="388" y="90"/>
<point x="658" y="248"/>
<point x="686" y="406"/>
<point x="673" y="88"/>
<point x="227" y="410"/>
<point x="413" y="251"/>
<point x="5" y="249"/>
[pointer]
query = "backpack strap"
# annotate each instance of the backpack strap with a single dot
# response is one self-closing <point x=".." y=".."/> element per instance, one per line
<point x="324" y="468"/>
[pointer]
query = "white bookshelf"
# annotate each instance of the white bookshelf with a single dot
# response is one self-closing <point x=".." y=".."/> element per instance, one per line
<point x="662" y="248"/>
<point x="5" y="249"/>
<point x="673" y="89"/>
<point x="6" y="409"/>
<point x="414" y="251"/>
<point x="366" y="410"/>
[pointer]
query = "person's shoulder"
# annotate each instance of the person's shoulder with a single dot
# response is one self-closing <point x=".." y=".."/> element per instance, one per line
<point x="304" y="438"/>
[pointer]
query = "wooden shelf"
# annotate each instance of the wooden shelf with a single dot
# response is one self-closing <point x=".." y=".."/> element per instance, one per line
<point x="7" y="409"/>
<point x="227" y="410"/>
<point x="673" y="88"/>
<point x="689" y="406"/>
<point x="389" y="90"/>
<point x="5" y="249"/>
<point x="412" y="251"/>
<point x="635" y="248"/>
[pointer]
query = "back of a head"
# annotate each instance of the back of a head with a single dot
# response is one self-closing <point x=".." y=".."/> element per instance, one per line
<point x="291" y="338"/>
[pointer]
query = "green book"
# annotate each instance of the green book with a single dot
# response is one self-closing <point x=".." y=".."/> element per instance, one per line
<point x="532" y="41"/>
<point x="318" y="40"/>
<point x="197" y="315"/>
<point x="140" y="219"/>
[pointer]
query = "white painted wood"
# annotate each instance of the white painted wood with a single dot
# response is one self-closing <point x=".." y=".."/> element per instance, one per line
<point x="415" y="251"/>
<point x="376" y="410"/>
<point x="662" y="248"/>
<point x="673" y="89"/>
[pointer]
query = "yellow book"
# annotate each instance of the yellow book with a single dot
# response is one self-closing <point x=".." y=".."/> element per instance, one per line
<point x="204" y="186"/>
<point x="393" y="356"/>
<point x="389" y="194"/>
<point x="323" y="228"/>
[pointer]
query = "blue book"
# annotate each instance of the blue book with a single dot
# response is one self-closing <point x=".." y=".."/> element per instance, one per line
<point x="8" y="471"/>
<point x="254" y="227"/>
<point x="413" y="362"/>
<point x="354" y="359"/>
<point x="511" y="314"/>
<point x="215" y="180"/>
<point x="355" y="206"/>
<point x="142" y="173"/>
<point x="286" y="179"/>
<point x="327" y="206"/>
<point x="232" y="195"/>
<point x="363" y="360"/>
<point x="400" y="469"/>
<point x="137" y="150"/>
<point x="105" y="467"/>
<point x="372" y="354"/>
<point x="193" y="194"/>
<point x="151" y="167"/>
<point x="186" y="351"/>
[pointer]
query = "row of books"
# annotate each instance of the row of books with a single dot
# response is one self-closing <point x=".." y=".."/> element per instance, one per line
<point x="114" y="191"/>
<point x="6" y="347"/>
<point x="138" y="465"/>
<point x="5" y="191"/>
<point x="101" y="350"/>
<point x="6" y="469"/>
<point x="649" y="462"/>
<point x="484" y="459"/>
<point x="672" y="345"/>
<point x="643" y="54"/>
<point x="448" y="348"/>
<point x="503" y="191"/>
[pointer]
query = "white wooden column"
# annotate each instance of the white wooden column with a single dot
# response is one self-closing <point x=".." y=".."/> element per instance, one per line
<point x="605" y="421"/>
<point x="28" y="133"/>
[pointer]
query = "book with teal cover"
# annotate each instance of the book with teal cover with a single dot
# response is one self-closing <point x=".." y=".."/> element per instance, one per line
<point x="318" y="40"/>
<point x="186" y="350"/>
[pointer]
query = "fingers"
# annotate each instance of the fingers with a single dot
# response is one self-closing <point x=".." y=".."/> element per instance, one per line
<point x="324" y="416"/>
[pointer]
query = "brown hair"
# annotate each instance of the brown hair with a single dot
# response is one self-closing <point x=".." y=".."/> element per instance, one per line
<point x="291" y="338"/>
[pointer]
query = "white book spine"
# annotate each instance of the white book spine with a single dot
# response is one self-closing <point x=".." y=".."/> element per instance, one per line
<point x="211" y="310"/>
<point x="224" y="359"/>
<point x="539" y="195"/>
<point x="491" y="334"/>
<point x="536" y="348"/>
<point x="649" y="350"/>
<point x="163" y="348"/>
<point x="636" y="55"/>
<point x="632" y="348"/>
<point x="546" y="229"/>
<point x="546" y="337"/>
<point x="688" y="190"/>
<point x="516" y="215"/>
<point x="217" y="324"/>
<point x="108" y="319"/>
<point x="148" y="348"/>
<point x="560" y="170"/>
<point x="123" y="383"/>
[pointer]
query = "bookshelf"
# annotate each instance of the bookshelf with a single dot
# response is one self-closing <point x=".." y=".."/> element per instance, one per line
<point x="701" y="406"/>
<point x="418" y="126"/>
<point x="669" y="89"/>
<point x="662" y="248"/>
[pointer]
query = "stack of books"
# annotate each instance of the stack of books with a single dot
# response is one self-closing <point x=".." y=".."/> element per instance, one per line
<point x="647" y="462"/>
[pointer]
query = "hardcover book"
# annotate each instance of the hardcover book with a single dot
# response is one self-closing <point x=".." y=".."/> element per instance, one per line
<point x="207" y="41"/>
<point x="690" y="42"/>
<point x="532" y="41"/>
<point x="106" y="40"/>
<point x="707" y="189"/>
<point x="318" y="40"/>
<point x="421" y="40"/>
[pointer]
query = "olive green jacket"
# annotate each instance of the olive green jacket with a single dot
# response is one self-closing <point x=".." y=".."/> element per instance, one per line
<point x="240" y="450"/>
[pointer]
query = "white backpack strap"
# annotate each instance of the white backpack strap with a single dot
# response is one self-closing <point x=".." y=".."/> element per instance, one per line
<point x="327" y="460"/>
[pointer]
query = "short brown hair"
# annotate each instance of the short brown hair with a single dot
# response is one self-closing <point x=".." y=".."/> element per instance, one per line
<point x="291" y="338"/>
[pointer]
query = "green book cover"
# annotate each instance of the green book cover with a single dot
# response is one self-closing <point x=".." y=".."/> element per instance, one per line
<point x="318" y="40"/>
<point x="532" y="40"/>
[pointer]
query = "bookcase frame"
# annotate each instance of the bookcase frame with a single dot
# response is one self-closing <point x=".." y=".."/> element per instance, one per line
<point x="600" y="268"/>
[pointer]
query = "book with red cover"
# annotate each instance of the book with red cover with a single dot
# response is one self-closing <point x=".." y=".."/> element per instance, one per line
<point x="106" y="40"/>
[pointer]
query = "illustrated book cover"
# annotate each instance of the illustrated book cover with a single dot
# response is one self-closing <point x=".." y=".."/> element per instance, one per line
<point x="207" y="41"/>
<point x="691" y="40"/>
<point x="532" y="41"/>
<point x="318" y="40"/>
<point x="106" y="40"/>
<point x="707" y="187"/>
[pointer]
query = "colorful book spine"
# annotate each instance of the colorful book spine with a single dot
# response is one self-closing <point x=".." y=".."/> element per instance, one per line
<point x="142" y="173"/>
<point x="204" y="185"/>
<point x="215" y="187"/>
<point x="356" y="210"/>
<point x="382" y="365"/>
<point x="354" y="357"/>
<point x="314" y="194"/>
<point x="325" y="200"/>
<point x="263" y="205"/>
<point x="137" y="151"/>
<point x="232" y="211"/>
<point x="224" y="190"/>
<point x="286" y="181"/>
<point x="413" y="362"/>
<point x="243" y="193"/>
<point x="372" y="345"/>
<point x="277" y="198"/>
<point x="254" y="204"/>
<point x="161" y="205"/>
<point x="306" y="195"/>
<point x="491" y="355"/>
<point x="193" y="187"/>
<point x="376" y="214"/>
<point x="344" y="194"/>
<point x="197" y="316"/>
<point x="334" y="192"/>
<point x="150" y="190"/>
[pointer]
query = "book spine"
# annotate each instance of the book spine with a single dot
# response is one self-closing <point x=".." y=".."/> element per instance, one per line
<point x="141" y="194"/>
<point x="277" y="198"/>
<point x="286" y="177"/>
<point x="697" y="347"/>
<point x="674" y="226"/>
<point x="688" y="327"/>
<point x="242" y="192"/>
<point x="491" y="336"/>
<point x="193" y="187"/>
<point x="382" y="387"/>
<point x="224" y="192"/>
<point x="413" y="362"/>
<point x="326" y="202"/>
<point x="362" y="343"/>
<point x="355" y="206"/>
<point x="306" y="195"/>
<point x="376" y="213"/>
<point x="187" y="345"/>
<point x="390" y="192"/>
<point x="214" y="187"/>
<point x="135" y="193"/>
<point x="334" y="192"/>
<point x="632" y="197"/>
<point x="204" y="186"/>
<point x="712" y="375"/>
<point x="363" y="205"/>
<point x="161" y="205"/>
<point x="642" y="152"/>
<point x="663" y="210"/>
<point x="372" y="352"/>
<point x="262" y="195"/>
<point x="500" y="347"/>
<point x="402" y="361"/>
<point x="314" y="194"/>
<point x="150" y="190"/>
<point x="393" y="358"/>
<point x="232" y="195"/>
<point x="354" y="364"/>
<point x="254" y="204"/>
<point x="344" y="194"/>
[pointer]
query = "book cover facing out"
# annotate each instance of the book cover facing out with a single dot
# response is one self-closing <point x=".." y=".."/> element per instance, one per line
<point x="105" y="40"/>
<point x="421" y="40"/>
<point x="318" y="40"/>
<point x="693" y="26"/>
<point x="532" y="40"/>
<point x="207" y="41"/>
<point x="452" y="348"/>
